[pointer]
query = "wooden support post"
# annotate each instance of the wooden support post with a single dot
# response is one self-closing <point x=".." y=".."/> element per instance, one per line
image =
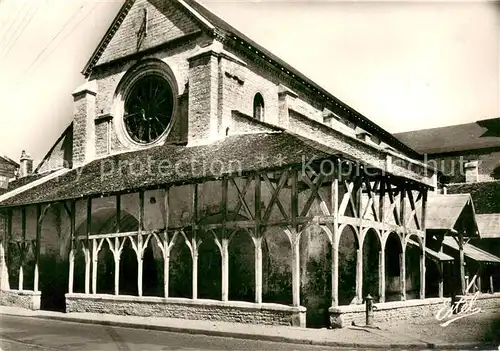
<point x="94" y="265"/>
<point x="441" y="279"/>
<point x="72" y="247"/>
<point x="166" y="245"/>
<point x="461" y="262"/>
<point x="194" y="244"/>
<point x="335" y="236"/>
<point x="140" y="250"/>
<point x="402" y="274"/>
<point x="117" y="250"/>
<point x="423" y="267"/>
<point x="23" y="256"/>
<point x="86" y="247"/>
<point x="422" y="275"/>
<point x="492" y="287"/>
<point x="257" y="240"/>
<point x="294" y="238"/>
<point x="359" y="275"/>
<point x="381" y="201"/>
<point x="296" y="269"/>
<point x="224" y="243"/>
<point x="37" y="245"/>
<point x="479" y="282"/>
<point x="381" y="274"/>
<point x="225" y="269"/>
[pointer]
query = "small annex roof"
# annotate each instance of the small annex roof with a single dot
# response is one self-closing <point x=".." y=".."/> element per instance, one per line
<point x="173" y="164"/>
<point x="471" y="251"/>
<point x="462" y="137"/>
<point x="217" y="26"/>
<point x="435" y="255"/>
<point x="444" y="211"/>
<point x="489" y="225"/>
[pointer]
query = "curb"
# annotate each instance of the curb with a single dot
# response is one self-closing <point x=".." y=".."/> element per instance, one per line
<point x="248" y="336"/>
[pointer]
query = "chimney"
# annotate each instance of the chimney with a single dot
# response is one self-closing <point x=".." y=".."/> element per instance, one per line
<point x="84" y="105"/>
<point x="26" y="164"/>
<point x="471" y="172"/>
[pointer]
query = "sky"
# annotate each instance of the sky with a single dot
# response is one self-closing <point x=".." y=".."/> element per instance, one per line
<point x="404" y="64"/>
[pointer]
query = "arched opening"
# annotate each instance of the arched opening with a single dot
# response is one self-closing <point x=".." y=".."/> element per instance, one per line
<point x="413" y="253"/>
<point x="209" y="269"/>
<point x="276" y="267"/>
<point x="181" y="269"/>
<point x="258" y="107"/>
<point x="371" y="262"/>
<point x="433" y="275"/>
<point x="105" y="270"/>
<point x="348" y="246"/>
<point x="152" y="274"/>
<point x="393" y="252"/>
<point x="241" y="267"/>
<point x="316" y="275"/>
<point x="128" y="270"/>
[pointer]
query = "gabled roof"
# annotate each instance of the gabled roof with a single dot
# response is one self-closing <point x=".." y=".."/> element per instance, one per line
<point x="9" y="160"/>
<point x="472" y="252"/>
<point x="489" y="225"/>
<point x="482" y="134"/>
<point x="217" y="27"/>
<point x="443" y="212"/>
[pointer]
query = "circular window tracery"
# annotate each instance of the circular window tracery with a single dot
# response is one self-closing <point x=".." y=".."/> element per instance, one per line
<point x="148" y="109"/>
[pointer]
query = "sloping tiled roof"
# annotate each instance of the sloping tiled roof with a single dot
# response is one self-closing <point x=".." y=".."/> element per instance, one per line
<point x="485" y="195"/>
<point x="489" y="225"/>
<point x="197" y="10"/>
<point x="472" y="251"/>
<point x="462" y="137"/>
<point x="443" y="211"/>
<point x="174" y="164"/>
<point x="17" y="183"/>
<point x="440" y="256"/>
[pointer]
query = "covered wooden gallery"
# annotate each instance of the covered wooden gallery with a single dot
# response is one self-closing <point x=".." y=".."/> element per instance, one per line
<point x="280" y="236"/>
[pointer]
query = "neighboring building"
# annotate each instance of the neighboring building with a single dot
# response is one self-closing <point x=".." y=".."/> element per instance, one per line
<point x="8" y="171"/>
<point x="202" y="167"/>
<point x="468" y="158"/>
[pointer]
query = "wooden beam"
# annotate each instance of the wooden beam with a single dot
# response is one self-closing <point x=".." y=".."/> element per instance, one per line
<point x="294" y="199"/>
<point x="194" y="249"/>
<point x="140" y="250"/>
<point x="72" y="247"/>
<point x="461" y="262"/>
<point x="402" y="274"/>
<point x="118" y="213"/>
<point x="86" y="247"/>
<point x="22" y="256"/>
<point x="275" y="195"/>
<point x="381" y="200"/>
<point x="37" y="247"/>
<point x="335" y="238"/>
<point x="224" y="245"/>
<point x="381" y="274"/>
<point x="257" y="238"/>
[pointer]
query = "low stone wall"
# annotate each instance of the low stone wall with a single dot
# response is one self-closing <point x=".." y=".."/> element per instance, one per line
<point x="343" y="316"/>
<point x="402" y="310"/>
<point x="488" y="301"/>
<point x="24" y="299"/>
<point x="231" y="311"/>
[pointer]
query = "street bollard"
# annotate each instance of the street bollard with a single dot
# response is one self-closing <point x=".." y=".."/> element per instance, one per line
<point x="369" y="309"/>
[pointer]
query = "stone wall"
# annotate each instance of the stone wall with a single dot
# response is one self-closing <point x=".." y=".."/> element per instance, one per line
<point x="233" y="311"/>
<point x="23" y="299"/>
<point x="343" y="316"/>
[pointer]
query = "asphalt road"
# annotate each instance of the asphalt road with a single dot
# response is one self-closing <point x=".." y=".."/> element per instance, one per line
<point x="33" y="334"/>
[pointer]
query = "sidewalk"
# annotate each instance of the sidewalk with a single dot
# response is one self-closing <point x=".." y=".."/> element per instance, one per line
<point x="388" y="336"/>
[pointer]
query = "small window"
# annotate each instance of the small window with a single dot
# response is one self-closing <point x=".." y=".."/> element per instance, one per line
<point x="258" y="107"/>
